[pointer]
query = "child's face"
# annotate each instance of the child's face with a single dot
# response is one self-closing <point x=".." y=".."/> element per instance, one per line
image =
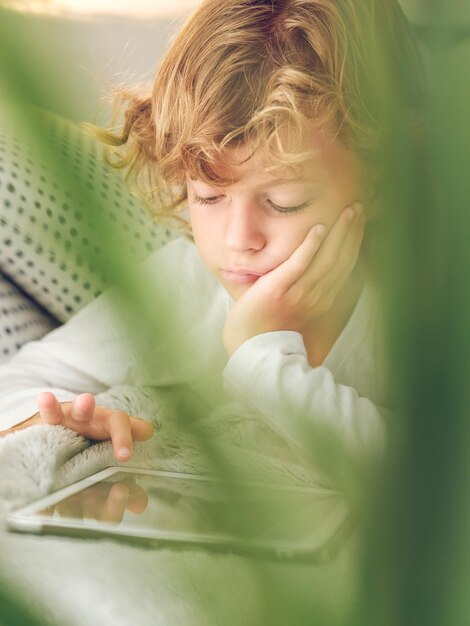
<point x="248" y="228"/>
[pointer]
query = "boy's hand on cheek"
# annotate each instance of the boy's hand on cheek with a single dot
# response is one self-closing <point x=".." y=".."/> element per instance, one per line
<point x="301" y="289"/>
<point x="94" y="422"/>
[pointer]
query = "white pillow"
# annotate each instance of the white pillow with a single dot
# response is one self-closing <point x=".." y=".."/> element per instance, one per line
<point x="40" y="219"/>
<point x="20" y="320"/>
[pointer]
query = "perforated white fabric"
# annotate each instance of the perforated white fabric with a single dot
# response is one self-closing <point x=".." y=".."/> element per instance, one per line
<point x="40" y="219"/>
<point x="20" y="320"/>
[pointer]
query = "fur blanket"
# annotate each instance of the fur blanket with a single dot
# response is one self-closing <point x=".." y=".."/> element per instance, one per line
<point x="71" y="581"/>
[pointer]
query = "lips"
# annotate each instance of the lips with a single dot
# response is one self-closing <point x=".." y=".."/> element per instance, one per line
<point x="240" y="276"/>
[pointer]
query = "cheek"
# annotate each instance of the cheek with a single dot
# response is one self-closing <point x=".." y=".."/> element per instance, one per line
<point x="288" y="234"/>
<point x="204" y="234"/>
<point x="333" y="203"/>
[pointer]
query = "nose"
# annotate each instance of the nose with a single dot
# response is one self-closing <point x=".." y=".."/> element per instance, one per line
<point x="244" y="227"/>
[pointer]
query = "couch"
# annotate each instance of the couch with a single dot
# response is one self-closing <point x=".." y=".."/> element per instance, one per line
<point x="42" y="281"/>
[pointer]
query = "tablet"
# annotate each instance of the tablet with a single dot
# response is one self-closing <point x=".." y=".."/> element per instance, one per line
<point x="160" y="508"/>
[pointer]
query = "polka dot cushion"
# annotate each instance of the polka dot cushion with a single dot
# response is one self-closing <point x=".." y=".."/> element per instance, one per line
<point x="42" y="221"/>
<point x="21" y="320"/>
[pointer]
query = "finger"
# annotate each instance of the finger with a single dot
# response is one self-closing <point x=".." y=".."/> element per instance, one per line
<point x="140" y="429"/>
<point x="350" y="251"/>
<point x="93" y="500"/>
<point x="297" y="264"/>
<point x="330" y="251"/>
<point x="50" y="409"/>
<point x="91" y="507"/>
<point x="119" y="428"/>
<point x="138" y="503"/>
<point x="333" y="281"/>
<point x="83" y="407"/>
<point x="138" y="499"/>
<point x="115" y="505"/>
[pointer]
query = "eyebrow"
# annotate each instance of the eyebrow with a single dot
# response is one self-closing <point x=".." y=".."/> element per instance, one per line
<point x="298" y="181"/>
<point x="277" y="182"/>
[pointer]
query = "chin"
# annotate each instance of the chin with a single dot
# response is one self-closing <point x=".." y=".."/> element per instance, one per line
<point x="236" y="291"/>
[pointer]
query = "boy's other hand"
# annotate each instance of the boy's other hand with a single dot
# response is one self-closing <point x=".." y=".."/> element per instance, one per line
<point x="94" y="422"/>
<point x="301" y="289"/>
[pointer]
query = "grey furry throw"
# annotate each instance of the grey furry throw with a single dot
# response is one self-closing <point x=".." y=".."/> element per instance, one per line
<point x="39" y="459"/>
<point x="78" y="582"/>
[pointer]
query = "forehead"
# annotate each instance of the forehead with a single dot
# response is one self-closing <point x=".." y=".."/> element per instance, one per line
<point x="319" y="158"/>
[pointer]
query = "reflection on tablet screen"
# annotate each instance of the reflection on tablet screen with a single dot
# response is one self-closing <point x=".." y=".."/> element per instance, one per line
<point x="202" y="507"/>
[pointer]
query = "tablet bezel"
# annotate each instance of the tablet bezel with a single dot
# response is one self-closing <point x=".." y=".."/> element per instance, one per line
<point x="324" y="544"/>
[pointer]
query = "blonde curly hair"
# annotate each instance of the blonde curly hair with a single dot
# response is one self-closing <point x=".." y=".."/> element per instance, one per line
<point x="259" y="71"/>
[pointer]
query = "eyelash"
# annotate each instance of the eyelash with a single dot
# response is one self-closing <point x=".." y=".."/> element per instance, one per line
<point x="208" y="200"/>
<point x="280" y="209"/>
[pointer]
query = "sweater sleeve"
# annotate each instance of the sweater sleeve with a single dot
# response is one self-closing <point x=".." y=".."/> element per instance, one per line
<point x="97" y="350"/>
<point x="271" y="373"/>
<point x="88" y="353"/>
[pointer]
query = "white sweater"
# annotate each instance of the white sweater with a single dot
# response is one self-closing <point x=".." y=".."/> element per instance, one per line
<point x="95" y="351"/>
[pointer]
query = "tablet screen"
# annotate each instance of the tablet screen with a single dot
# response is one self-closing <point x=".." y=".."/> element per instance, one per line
<point x="172" y="506"/>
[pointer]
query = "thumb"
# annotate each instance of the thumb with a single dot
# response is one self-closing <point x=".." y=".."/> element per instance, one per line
<point x="50" y="409"/>
<point x="140" y="429"/>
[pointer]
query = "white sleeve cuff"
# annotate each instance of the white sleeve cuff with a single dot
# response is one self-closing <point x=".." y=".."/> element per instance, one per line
<point x="271" y="373"/>
<point x="243" y="360"/>
<point x="22" y="404"/>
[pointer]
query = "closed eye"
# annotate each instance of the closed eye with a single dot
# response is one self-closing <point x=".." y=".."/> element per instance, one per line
<point x="206" y="200"/>
<point x="289" y="209"/>
<point x="280" y="209"/>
